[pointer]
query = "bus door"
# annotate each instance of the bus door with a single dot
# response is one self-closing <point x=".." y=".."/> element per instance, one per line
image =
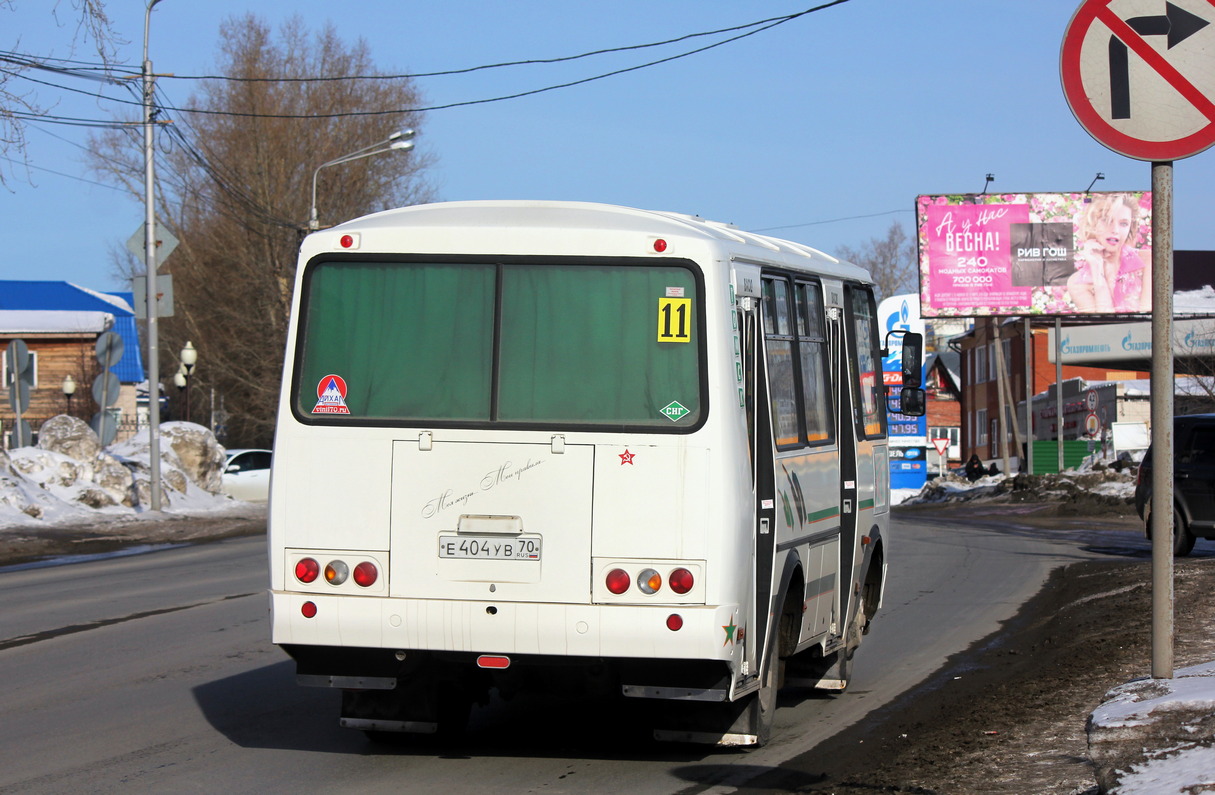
<point x="763" y="463"/>
<point x="841" y="375"/>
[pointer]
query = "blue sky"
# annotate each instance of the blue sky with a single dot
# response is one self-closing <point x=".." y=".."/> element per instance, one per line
<point x="847" y="113"/>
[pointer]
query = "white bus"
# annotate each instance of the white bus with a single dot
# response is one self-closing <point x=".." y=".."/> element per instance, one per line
<point x="523" y="444"/>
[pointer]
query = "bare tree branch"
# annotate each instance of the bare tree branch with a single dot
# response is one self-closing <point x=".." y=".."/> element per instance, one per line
<point x="891" y="261"/>
<point x="92" y="24"/>
<point x="236" y="193"/>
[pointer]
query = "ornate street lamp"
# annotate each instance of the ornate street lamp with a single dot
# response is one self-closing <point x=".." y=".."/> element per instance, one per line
<point x="69" y="389"/>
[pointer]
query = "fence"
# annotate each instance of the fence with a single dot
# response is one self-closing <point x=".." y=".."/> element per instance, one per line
<point x="127" y="427"/>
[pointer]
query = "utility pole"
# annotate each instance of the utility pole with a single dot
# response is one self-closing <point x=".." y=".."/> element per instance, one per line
<point x="150" y="266"/>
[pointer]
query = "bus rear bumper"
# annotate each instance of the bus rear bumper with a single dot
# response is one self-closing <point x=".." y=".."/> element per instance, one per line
<point x="633" y="631"/>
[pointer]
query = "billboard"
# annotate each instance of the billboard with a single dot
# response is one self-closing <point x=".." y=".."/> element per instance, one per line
<point x="1035" y="254"/>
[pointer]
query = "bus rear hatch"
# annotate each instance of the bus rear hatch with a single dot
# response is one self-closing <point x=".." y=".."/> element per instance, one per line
<point x="494" y="521"/>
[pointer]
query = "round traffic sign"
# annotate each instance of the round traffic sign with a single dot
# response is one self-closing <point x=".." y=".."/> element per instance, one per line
<point x="1139" y="75"/>
<point x="106" y="389"/>
<point x="109" y="349"/>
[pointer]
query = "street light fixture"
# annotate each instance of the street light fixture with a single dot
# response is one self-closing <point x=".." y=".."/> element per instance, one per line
<point x="69" y="389"/>
<point x="189" y="357"/>
<point x="399" y="141"/>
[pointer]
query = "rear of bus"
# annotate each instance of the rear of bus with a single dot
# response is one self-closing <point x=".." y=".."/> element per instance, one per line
<point x="492" y="465"/>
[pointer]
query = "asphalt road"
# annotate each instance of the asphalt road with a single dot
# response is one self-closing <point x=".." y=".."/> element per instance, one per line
<point x="153" y="673"/>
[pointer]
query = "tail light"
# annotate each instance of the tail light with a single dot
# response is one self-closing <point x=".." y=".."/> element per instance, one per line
<point x="681" y="581"/>
<point x="618" y="581"/>
<point x="336" y="572"/>
<point x="649" y="581"/>
<point x="307" y="570"/>
<point x="365" y="574"/>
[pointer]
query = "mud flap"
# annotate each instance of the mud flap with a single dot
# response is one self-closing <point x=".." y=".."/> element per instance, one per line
<point x="415" y="706"/>
<point x="831" y="672"/>
<point x="745" y="722"/>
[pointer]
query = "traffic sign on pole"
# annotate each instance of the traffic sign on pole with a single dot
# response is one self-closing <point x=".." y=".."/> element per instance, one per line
<point x="1139" y="75"/>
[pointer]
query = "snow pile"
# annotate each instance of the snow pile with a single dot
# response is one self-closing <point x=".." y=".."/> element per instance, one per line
<point x="1093" y="484"/>
<point x="1157" y="735"/>
<point x="69" y="476"/>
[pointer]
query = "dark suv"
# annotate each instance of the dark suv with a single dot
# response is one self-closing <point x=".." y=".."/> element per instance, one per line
<point x="1193" y="482"/>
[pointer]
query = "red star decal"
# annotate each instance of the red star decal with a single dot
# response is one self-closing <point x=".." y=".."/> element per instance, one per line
<point x="626" y="457"/>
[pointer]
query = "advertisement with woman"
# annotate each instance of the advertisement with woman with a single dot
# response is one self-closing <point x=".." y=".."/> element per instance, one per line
<point x="1035" y="254"/>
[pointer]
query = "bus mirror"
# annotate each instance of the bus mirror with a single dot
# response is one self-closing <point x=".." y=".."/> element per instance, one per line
<point x="911" y="401"/>
<point x="913" y="359"/>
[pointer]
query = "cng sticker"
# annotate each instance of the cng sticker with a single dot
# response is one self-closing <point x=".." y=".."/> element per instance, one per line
<point x="674" y="412"/>
<point x="674" y="319"/>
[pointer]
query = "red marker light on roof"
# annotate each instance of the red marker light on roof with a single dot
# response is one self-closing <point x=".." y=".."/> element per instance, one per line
<point x="660" y="245"/>
<point x="349" y="241"/>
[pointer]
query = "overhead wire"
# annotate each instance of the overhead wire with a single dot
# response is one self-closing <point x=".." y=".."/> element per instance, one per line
<point x="750" y="29"/>
<point x="829" y="221"/>
<point x="525" y="62"/>
<point x="521" y="94"/>
<point x="60" y="174"/>
<point x="230" y="185"/>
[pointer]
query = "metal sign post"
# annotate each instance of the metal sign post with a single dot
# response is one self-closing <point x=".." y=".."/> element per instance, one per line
<point x="1162" y="518"/>
<point x="1141" y="82"/>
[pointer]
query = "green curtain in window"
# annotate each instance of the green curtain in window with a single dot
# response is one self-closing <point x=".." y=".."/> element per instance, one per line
<point x="410" y="340"/>
<point x="580" y="344"/>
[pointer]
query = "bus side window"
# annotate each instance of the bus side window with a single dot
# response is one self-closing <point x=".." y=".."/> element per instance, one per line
<point x="868" y="384"/>
<point x="782" y="380"/>
<point x="812" y="354"/>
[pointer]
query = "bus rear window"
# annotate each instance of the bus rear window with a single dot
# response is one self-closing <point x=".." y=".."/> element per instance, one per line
<point x="521" y="344"/>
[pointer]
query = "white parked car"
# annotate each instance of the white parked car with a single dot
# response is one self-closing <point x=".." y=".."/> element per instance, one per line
<point x="247" y="474"/>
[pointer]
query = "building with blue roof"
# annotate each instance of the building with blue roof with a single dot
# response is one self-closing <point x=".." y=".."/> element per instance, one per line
<point x="60" y="323"/>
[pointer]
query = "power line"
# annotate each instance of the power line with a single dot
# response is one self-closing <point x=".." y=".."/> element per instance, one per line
<point x="770" y="22"/>
<point x="829" y="221"/>
<point x="60" y="174"/>
<point x="751" y="28"/>
<point x="518" y="95"/>
<point x="68" y="121"/>
<point x="44" y="63"/>
<point x="68" y="88"/>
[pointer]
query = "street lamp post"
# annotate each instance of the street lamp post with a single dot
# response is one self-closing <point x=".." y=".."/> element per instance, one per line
<point x="399" y="141"/>
<point x="189" y="357"/>
<point x="69" y="389"/>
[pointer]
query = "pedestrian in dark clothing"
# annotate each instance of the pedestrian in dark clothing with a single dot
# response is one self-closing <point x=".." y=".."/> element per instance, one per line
<point x="974" y="469"/>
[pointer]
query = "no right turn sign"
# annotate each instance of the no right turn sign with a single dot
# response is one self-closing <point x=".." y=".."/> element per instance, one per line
<point x="1139" y="75"/>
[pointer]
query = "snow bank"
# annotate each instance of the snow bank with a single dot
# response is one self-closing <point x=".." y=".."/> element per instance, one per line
<point x="1156" y="735"/>
<point x="69" y="477"/>
<point x="1110" y="485"/>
